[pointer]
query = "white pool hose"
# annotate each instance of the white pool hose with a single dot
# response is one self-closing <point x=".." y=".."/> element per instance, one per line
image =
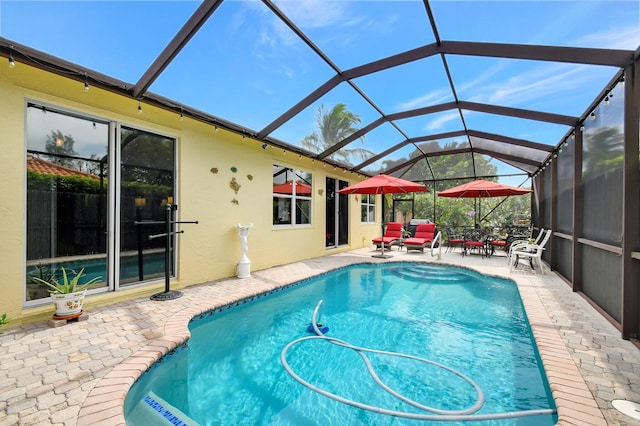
<point x="438" y="415"/>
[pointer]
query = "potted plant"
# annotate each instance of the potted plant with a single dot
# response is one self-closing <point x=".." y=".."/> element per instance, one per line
<point x="67" y="294"/>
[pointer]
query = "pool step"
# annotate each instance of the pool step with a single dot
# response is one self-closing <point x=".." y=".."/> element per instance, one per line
<point x="59" y="322"/>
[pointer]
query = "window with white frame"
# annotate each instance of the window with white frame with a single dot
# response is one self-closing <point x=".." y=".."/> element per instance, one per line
<point x="292" y="196"/>
<point x="368" y="208"/>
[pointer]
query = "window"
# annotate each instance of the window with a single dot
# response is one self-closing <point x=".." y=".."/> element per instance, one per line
<point x="368" y="208"/>
<point x="67" y="187"/>
<point x="291" y="188"/>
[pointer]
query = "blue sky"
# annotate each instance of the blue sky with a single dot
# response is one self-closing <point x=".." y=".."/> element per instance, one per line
<point x="247" y="67"/>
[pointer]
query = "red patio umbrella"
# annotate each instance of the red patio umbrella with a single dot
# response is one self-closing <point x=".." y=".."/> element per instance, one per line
<point x="482" y="189"/>
<point x="383" y="184"/>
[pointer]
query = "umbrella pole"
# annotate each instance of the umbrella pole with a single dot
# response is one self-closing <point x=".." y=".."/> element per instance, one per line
<point x="382" y="255"/>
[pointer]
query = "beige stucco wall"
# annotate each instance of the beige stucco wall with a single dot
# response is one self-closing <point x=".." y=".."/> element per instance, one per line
<point x="209" y="250"/>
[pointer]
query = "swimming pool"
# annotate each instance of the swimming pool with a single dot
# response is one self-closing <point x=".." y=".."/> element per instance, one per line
<point x="231" y="373"/>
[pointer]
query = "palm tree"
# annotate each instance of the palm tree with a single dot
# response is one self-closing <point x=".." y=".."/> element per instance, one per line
<point x="334" y="126"/>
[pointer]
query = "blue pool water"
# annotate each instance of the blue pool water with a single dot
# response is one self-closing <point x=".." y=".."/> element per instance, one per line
<point x="230" y="373"/>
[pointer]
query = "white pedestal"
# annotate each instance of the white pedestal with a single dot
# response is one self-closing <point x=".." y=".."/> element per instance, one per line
<point x="244" y="269"/>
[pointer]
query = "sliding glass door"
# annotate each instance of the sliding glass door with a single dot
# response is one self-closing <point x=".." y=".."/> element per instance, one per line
<point x="67" y="186"/>
<point x="146" y="186"/>
<point x="88" y="211"/>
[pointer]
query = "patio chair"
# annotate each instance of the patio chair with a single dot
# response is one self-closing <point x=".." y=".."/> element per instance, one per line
<point x="515" y="244"/>
<point x="494" y="242"/>
<point x="533" y="252"/>
<point x="392" y="234"/>
<point x="423" y="237"/>
<point x="453" y="239"/>
<point x="474" y="240"/>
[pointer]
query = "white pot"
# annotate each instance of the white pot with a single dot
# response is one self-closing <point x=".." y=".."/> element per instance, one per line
<point x="68" y="304"/>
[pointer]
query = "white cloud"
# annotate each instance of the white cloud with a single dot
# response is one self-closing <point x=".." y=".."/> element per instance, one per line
<point x="431" y="98"/>
<point x="313" y="13"/>
<point x="442" y="119"/>
<point x="542" y="82"/>
<point x="626" y="38"/>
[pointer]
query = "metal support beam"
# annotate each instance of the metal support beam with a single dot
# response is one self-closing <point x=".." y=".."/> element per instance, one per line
<point x="576" y="55"/>
<point x="576" y="261"/>
<point x="631" y="204"/>
<point x="552" y="254"/>
<point x="190" y="28"/>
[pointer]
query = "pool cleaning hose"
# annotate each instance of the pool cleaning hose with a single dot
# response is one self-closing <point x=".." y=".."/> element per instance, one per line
<point x="437" y="414"/>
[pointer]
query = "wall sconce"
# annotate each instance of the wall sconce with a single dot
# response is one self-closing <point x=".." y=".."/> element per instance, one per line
<point x="264" y="146"/>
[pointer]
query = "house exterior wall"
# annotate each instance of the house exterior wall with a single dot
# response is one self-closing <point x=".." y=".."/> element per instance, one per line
<point x="207" y="251"/>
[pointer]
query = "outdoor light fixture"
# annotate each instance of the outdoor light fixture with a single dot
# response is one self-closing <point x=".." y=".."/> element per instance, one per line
<point x="11" y="61"/>
<point x="264" y="146"/>
<point x="216" y="129"/>
<point x="592" y="116"/>
<point x="606" y="100"/>
<point x="582" y="128"/>
<point x="86" y="83"/>
<point x="139" y="108"/>
<point x="284" y="152"/>
<point x="181" y="114"/>
<point x="140" y="202"/>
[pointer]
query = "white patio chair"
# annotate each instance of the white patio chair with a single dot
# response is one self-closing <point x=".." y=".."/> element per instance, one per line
<point x="531" y="251"/>
<point x="515" y="244"/>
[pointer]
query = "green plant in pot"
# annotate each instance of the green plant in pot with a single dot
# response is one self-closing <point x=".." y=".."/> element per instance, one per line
<point x="67" y="293"/>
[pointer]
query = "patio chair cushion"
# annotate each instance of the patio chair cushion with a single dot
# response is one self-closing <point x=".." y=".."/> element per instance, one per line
<point x="391" y="234"/>
<point x="425" y="233"/>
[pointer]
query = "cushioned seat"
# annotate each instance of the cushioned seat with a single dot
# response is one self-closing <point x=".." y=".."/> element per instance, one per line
<point x="493" y="242"/>
<point x="392" y="234"/>
<point x="425" y="233"/>
<point x="474" y="240"/>
<point x="453" y="239"/>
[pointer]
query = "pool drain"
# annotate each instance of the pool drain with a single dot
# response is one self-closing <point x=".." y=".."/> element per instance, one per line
<point x="630" y="408"/>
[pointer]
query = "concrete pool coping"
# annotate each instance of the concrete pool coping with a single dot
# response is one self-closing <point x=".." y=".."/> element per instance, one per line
<point x="587" y="363"/>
